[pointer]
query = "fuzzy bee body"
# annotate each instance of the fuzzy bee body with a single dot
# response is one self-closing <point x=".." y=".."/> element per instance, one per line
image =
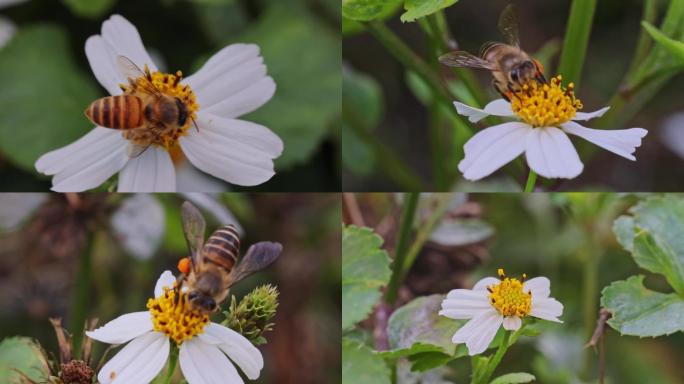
<point x="222" y="248"/>
<point x="117" y="112"/>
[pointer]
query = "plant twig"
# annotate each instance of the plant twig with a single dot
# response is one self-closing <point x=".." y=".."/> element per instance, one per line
<point x="405" y="227"/>
<point x="352" y="210"/>
<point x="81" y="295"/>
<point x="598" y="338"/>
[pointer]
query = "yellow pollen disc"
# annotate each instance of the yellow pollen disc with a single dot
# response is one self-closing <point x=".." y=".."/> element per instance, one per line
<point x="508" y="297"/>
<point x="545" y="105"/>
<point x="176" y="320"/>
<point x="169" y="85"/>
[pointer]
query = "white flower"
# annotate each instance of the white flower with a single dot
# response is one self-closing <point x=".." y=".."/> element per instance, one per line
<point x="546" y="119"/>
<point x="139" y="224"/>
<point x="202" y="357"/>
<point x="494" y="302"/>
<point x="231" y="83"/>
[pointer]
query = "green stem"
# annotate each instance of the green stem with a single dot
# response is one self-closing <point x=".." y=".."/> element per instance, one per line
<point x="531" y="180"/>
<point x="443" y="200"/>
<point x="173" y="360"/>
<point x="644" y="42"/>
<point x="406" y="225"/>
<point x="590" y="301"/>
<point x="576" y="40"/>
<point x="413" y="62"/>
<point x="393" y="165"/>
<point x="496" y="359"/>
<point x="81" y="293"/>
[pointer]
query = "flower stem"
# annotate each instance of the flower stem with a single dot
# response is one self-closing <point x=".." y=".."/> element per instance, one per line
<point x="81" y="294"/>
<point x="531" y="180"/>
<point x="590" y="308"/>
<point x="173" y="360"/>
<point x="406" y="225"/>
<point x="496" y="359"/>
<point x="576" y="40"/>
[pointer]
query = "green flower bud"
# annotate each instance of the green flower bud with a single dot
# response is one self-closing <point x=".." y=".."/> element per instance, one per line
<point x="252" y="316"/>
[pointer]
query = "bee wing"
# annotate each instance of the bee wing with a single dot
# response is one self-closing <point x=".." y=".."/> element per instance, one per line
<point x="465" y="59"/>
<point x="135" y="150"/>
<point x="258" y="257"/>
<point x="131" y="71"/>
<point x="194" y="228"/>
<point x="508" y="25"/>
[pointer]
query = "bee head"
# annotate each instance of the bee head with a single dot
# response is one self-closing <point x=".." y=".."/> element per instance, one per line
<point x="201" y="301"/>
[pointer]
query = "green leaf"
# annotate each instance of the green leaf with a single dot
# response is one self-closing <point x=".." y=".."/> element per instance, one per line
<point x="43" y="95"/>
<point x="89" y="8"/>
<point x="25" y="356"/>
<point x="417" y="327"/>
<point x="363" y="95"/>
<point x="514" y="378"/>
<point x="638" y="311"/>
<point x="674" y="47"/>
<point x="367" y="10"/>
<point x="365" y="269"/>
<point x="426" y="361"/>
<point x="307" y="98"/>
<point x="624" y="230"/>
<point x="420" y="8"/>
<point x="361" y="366"/>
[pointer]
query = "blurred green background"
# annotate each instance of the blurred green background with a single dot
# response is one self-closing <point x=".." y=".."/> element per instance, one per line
<point x="567" y="237"/>
<point x="392" y="103"/>
<point x="134" y="238"/>
<point x="47" y="82"/>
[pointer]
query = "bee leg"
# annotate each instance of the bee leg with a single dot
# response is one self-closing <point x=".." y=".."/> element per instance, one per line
<point x="512" y="91"/>
<point x="179" y="283"/>
<point x="540" y="78"/>
<point x="499" y="89"/>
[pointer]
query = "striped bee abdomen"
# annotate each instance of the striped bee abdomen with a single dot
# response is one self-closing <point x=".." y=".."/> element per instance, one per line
<point x="118" y="112"/>
<point x="223" y="247"/>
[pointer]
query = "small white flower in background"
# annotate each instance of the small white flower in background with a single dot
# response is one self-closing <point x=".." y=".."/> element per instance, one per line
<point x="547" y="113"/>
<point x="139" y="225"/>
<point x="231" y="83"/>
<point x="672" y="133"/>
<point x="7" y="27"/>
<point x="210" y="203"/>
<point x="15" y="208"/>
<point x="494" y="302"/>
<point x="205" y="347"/>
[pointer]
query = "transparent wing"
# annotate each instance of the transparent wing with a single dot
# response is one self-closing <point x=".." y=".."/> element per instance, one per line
<point x="132" y="72"/>
<point x="194" y="228"/>
<point x="135" y="150"/>
<point x="465" y="59"/>
<point x="258" y="257"/>
<point x="508" y="25"/>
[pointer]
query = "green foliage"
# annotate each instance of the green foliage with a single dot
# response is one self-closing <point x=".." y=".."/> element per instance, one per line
<point x="514" y="378"/>
<point x="367" y="10"/>
<point x="89" y="8"/>
<point x="420" y="8"/>
<point x="576" y="40"/>
<point x="22" y="357"/>
<point x="365" y="269"/>
<point x="252" y="317"/>
<point x="360" y="365"/>
<point x="44" y="95"/>
<point x="653" y="234"/>
<point x="676" y="48"/>
<point x="307" y="97"/>
<point x="363" y="95"/>
<point x="638" y="311"/>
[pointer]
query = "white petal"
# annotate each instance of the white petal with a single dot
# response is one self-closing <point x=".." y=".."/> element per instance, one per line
<point x="123" y="328"/>
<point x="547" y="309"/>
<point x="138" y="362"/>
<point x="138" y="224"/>
<point x="479" y="332"/>
<point x="85" y="163"/>
<point x="484" y="283"/>
<point x="590" y="115"/>
<point x="512" y="323"/>
<point x="224" y="60"/>
<point x="672" y="133"/>
<point x="165" y="280"/>
<point x="246" y="100"/>
<point x="237" y="347"/>
<point x="550" y="154"/>
<point x="237" y="151"/>
<point x="151" y="171"/>
<point x="622" y="142"/>
<point x="539" y="286"/>
<point x="492" y="148"/>
<point x="498" y="107"/>
<point x="7" y="30"/>
<point x="102" y="59"/>
<point x="191" y="179"/>
<point x="464" y="304"/>
<point x="203" y="363"/>
<point x="124" y="39"/>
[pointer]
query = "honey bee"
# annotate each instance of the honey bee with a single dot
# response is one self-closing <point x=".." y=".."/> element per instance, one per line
<point x="511" y="67"/>
<point x="214" y="266"/>
<point x="142" y="108"/>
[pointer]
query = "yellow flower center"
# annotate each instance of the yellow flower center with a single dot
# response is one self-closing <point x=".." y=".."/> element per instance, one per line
<point x="545" y="105"/>
<point x="176" y="319"/>
<point x="508" y="297"/>
<point x="169" y="85"/>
